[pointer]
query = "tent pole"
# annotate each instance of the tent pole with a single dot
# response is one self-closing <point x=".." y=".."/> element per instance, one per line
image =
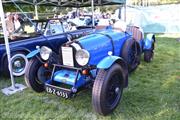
<point x="6" y="43"/>
<point x="36" y="11"/>
<point x="92" y="8"/>
<point x="125" y="12"/>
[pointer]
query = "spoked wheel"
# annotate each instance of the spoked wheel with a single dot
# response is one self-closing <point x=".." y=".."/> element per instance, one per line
<point x="19" y="64"/>
<point x="107" y="89"/>
<point x="148" y="55"/>
<point x="36" y="75"/>
<point x="134" y="56"/>
<point x="131" y="53"/>
<point x="114" y="90"/>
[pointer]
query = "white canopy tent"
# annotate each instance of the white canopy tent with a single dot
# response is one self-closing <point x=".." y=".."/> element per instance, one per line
<point x="64" y="3"/>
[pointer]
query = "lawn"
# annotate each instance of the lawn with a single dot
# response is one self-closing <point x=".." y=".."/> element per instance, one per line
<point x="153" y="94"/>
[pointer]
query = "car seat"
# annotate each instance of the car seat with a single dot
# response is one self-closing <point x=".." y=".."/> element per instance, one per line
<point x="137" y="33"/>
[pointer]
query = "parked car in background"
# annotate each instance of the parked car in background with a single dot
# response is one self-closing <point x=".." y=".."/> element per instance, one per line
<point x="51" y="33"/>
<point x="82" y="21"/>
<point x="101" y="60"/>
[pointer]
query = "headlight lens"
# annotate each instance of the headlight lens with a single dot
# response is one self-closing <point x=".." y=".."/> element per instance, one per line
<point x="82" y="57"/>
<point x="45" y="52"/>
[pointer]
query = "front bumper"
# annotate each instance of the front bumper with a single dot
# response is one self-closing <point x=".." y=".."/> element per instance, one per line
<point x="66" y="81"/>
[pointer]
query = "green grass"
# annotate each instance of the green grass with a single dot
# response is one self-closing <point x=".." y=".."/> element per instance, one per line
<point x="153" y="94"/>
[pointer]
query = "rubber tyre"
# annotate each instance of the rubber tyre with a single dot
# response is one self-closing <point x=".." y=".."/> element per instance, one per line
<point x="15" y="56"/>
<point x="35" y="75"/>
<point x="101" y="100"/>
<point x="148" y="55"/>
<point x="132" y="58"/>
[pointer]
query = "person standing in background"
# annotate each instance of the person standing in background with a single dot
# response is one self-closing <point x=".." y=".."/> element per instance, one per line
<point x="17" y="22"/>
<point x="9" y="23"/>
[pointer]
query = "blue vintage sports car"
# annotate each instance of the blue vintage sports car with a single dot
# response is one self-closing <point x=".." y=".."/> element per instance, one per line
<point x="101" y="60"/>
<point x="51" y="33"/>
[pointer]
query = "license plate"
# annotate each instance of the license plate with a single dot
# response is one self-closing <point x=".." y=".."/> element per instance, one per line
<point x="57" y="91"/>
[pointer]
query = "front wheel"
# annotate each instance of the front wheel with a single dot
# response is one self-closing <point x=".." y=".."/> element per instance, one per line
<point x="36" y="75"/>
<point x="107" y="89"/>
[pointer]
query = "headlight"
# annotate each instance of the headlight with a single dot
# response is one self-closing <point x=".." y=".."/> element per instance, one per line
<point x="45" y="52"/>
<point x="82" y="57"/>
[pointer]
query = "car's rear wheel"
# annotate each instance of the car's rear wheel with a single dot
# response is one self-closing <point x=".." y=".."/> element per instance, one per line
<point x="36" y="75"/>
<point x="19" y="64"/>
<point x="107" y="89"/>
<point x="131" y="53"/>
<point x="148" y="55"/>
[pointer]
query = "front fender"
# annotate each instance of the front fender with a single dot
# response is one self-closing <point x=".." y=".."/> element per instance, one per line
<point x="107" y="62"/>
<point x="33" y="53"/>
<point x="149" y="41"/>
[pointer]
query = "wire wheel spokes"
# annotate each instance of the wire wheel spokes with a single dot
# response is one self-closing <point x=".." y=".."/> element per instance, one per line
<point x="43" y="74"/>
<point x="18" y="64"/>
<point x="133" y="54"/>
<point x="113" y="93"/>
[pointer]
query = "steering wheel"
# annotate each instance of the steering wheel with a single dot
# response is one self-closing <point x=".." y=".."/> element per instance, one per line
<point x="69" y="37"/>
<point x="72" y="26"/>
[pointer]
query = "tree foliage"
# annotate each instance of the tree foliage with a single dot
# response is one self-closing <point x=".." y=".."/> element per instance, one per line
<point x="50" y="9"/>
